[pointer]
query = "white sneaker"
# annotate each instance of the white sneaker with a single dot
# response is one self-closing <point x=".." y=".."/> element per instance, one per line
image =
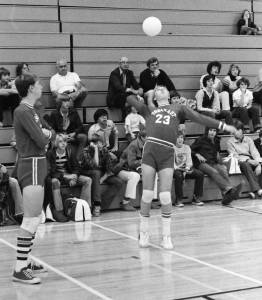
<point x="167" y="242"/>
<point x="143" y="239"/>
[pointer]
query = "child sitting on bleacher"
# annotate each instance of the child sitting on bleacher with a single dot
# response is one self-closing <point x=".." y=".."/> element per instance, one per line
<point x="132" y="123"/>
<point x="242" y="106"/>
<point x="183" y="169"/>
<point x="63" y="169"/>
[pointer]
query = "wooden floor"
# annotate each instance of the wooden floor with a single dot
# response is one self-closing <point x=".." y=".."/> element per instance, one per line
<point x="217" y="255"/>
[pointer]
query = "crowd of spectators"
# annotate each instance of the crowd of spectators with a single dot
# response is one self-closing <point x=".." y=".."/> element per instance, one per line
<point x="91" y="157"/>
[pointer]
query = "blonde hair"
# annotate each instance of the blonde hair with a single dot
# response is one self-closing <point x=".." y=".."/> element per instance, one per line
<point x="59" y="137"/>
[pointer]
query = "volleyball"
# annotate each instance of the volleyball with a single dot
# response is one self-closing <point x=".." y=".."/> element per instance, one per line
<point x="152" y="26"/>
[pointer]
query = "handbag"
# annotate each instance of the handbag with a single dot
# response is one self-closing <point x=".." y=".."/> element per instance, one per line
<point x="77" y="210"/>
<point x="232" y="165"/>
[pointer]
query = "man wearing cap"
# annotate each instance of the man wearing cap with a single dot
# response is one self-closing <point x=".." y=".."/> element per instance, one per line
<point x="104" y="129"/>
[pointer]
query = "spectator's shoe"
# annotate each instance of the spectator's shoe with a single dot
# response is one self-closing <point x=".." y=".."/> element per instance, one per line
<point x="228" y="198"/>
<point x="259" y="193"/>
<point x="36" y="268"/>
<point x="179" y="203"/>
<point x="236" y="191"/>
<point x="252" y="195"/>
<point x="155" y="204"/>
<point x="167" y="242"/>
<point x="59" y="216"/>
<point x="128" y="207"/>
<point x="26" y="276"/>
<point x="196" y="201"/>
<point x="97" y="211"/>
<point x="143" y="239"/>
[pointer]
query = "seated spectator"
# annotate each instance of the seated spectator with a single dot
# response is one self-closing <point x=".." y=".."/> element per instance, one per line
<point x="65" y="83"/>
<point x="183" y="169"/>
<point x="66" y="120"/>
<point x="152" y="76"/>
<point x="258" y="143"/>
<point x="257" y="90"/>
<point x="9" y="98"/>
<point x="134" y="153"/>
<point x="119" y="168"/>
<point x="122" y="84"/>
<point x="243" y="148"/>
<point x="230" y="81"/>
<point x="14" y="206"/>
<point x="213" y="69"/>
<point x="22" y="68"/>
<point x="97" y="157"/>
<point x="105" y="129"/>
<point x="208" y="101"/>
<point x="132" y="123"/>
<point x="206" y="158"/>
<point x="63" y="169"/>
<point x="242" y="106"/>
<point x="246" y="26"/>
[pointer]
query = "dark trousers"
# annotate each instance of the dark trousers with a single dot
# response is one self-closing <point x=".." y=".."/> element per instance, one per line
<point x="116" y="187"/>
<point x="179" y="178"/>
<point x="218" y="173"/>
<point x="245" y="115"/>
<point x="223" y="114"/>
<point x="6" y="102"/>
<point x="95" y="187"/>
<point x="248" y="170"/>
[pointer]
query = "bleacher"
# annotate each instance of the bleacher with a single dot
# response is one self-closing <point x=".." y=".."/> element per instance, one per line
<point x="93" y="35"/>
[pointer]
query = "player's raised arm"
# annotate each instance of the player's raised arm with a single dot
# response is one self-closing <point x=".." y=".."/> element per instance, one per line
<point x="186" y="112"/>
<point x="140" y="106"/>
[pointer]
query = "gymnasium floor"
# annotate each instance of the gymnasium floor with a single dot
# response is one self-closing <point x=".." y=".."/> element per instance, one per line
<point x="217" y="255"/>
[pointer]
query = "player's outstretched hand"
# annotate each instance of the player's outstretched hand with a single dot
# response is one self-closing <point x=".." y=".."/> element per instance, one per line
<point x="230" y="128"/>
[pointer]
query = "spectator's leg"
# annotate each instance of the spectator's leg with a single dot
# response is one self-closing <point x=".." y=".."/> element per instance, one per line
<point x="199" y="182"/>
<point x="252" y="179"/>
<point x="16" y="195"/>
<point x="242" y="114"/>
<point x="116" y="187"/>
<point x="224" y="100"/>
<point x="225" y="114"/>
<point x="222" y="183"/>
<point x="96" y="187"/>
<point x="253" y="114"/>
<point x="131" y="179"/>
<point x="86" y="183"/>
<point x="80" y="98"/>
<point x="178" y="181"/>
<point x="81" y="140"/>
<point x="58" y="203"/>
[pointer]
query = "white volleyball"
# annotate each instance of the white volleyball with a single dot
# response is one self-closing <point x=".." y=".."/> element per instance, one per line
<point x="152" y="26"/>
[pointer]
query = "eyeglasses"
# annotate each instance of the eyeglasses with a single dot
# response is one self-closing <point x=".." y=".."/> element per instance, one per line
<point x="154" y="65"/>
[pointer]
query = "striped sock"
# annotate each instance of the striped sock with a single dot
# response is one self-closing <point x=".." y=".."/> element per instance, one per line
<point x="23" y="249"/>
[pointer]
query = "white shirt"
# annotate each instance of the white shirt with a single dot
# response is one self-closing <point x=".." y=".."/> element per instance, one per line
<point x="248" y="98"/>
<point x="133" y="120"/>
<point x="60" y="84"/>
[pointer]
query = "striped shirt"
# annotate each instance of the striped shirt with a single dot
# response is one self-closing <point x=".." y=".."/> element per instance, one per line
<point x="61" y="160"/>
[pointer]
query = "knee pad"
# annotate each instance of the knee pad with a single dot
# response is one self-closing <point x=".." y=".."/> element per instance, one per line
<point x="165" y="198"/>
<point x="30" y="224"/>
<point x="147" y="196"/>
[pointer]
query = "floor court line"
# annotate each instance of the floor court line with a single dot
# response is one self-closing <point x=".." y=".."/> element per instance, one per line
<point x="220" y="293"/>
<point x="212" y="266"/>
<point x="62" y="274"/>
